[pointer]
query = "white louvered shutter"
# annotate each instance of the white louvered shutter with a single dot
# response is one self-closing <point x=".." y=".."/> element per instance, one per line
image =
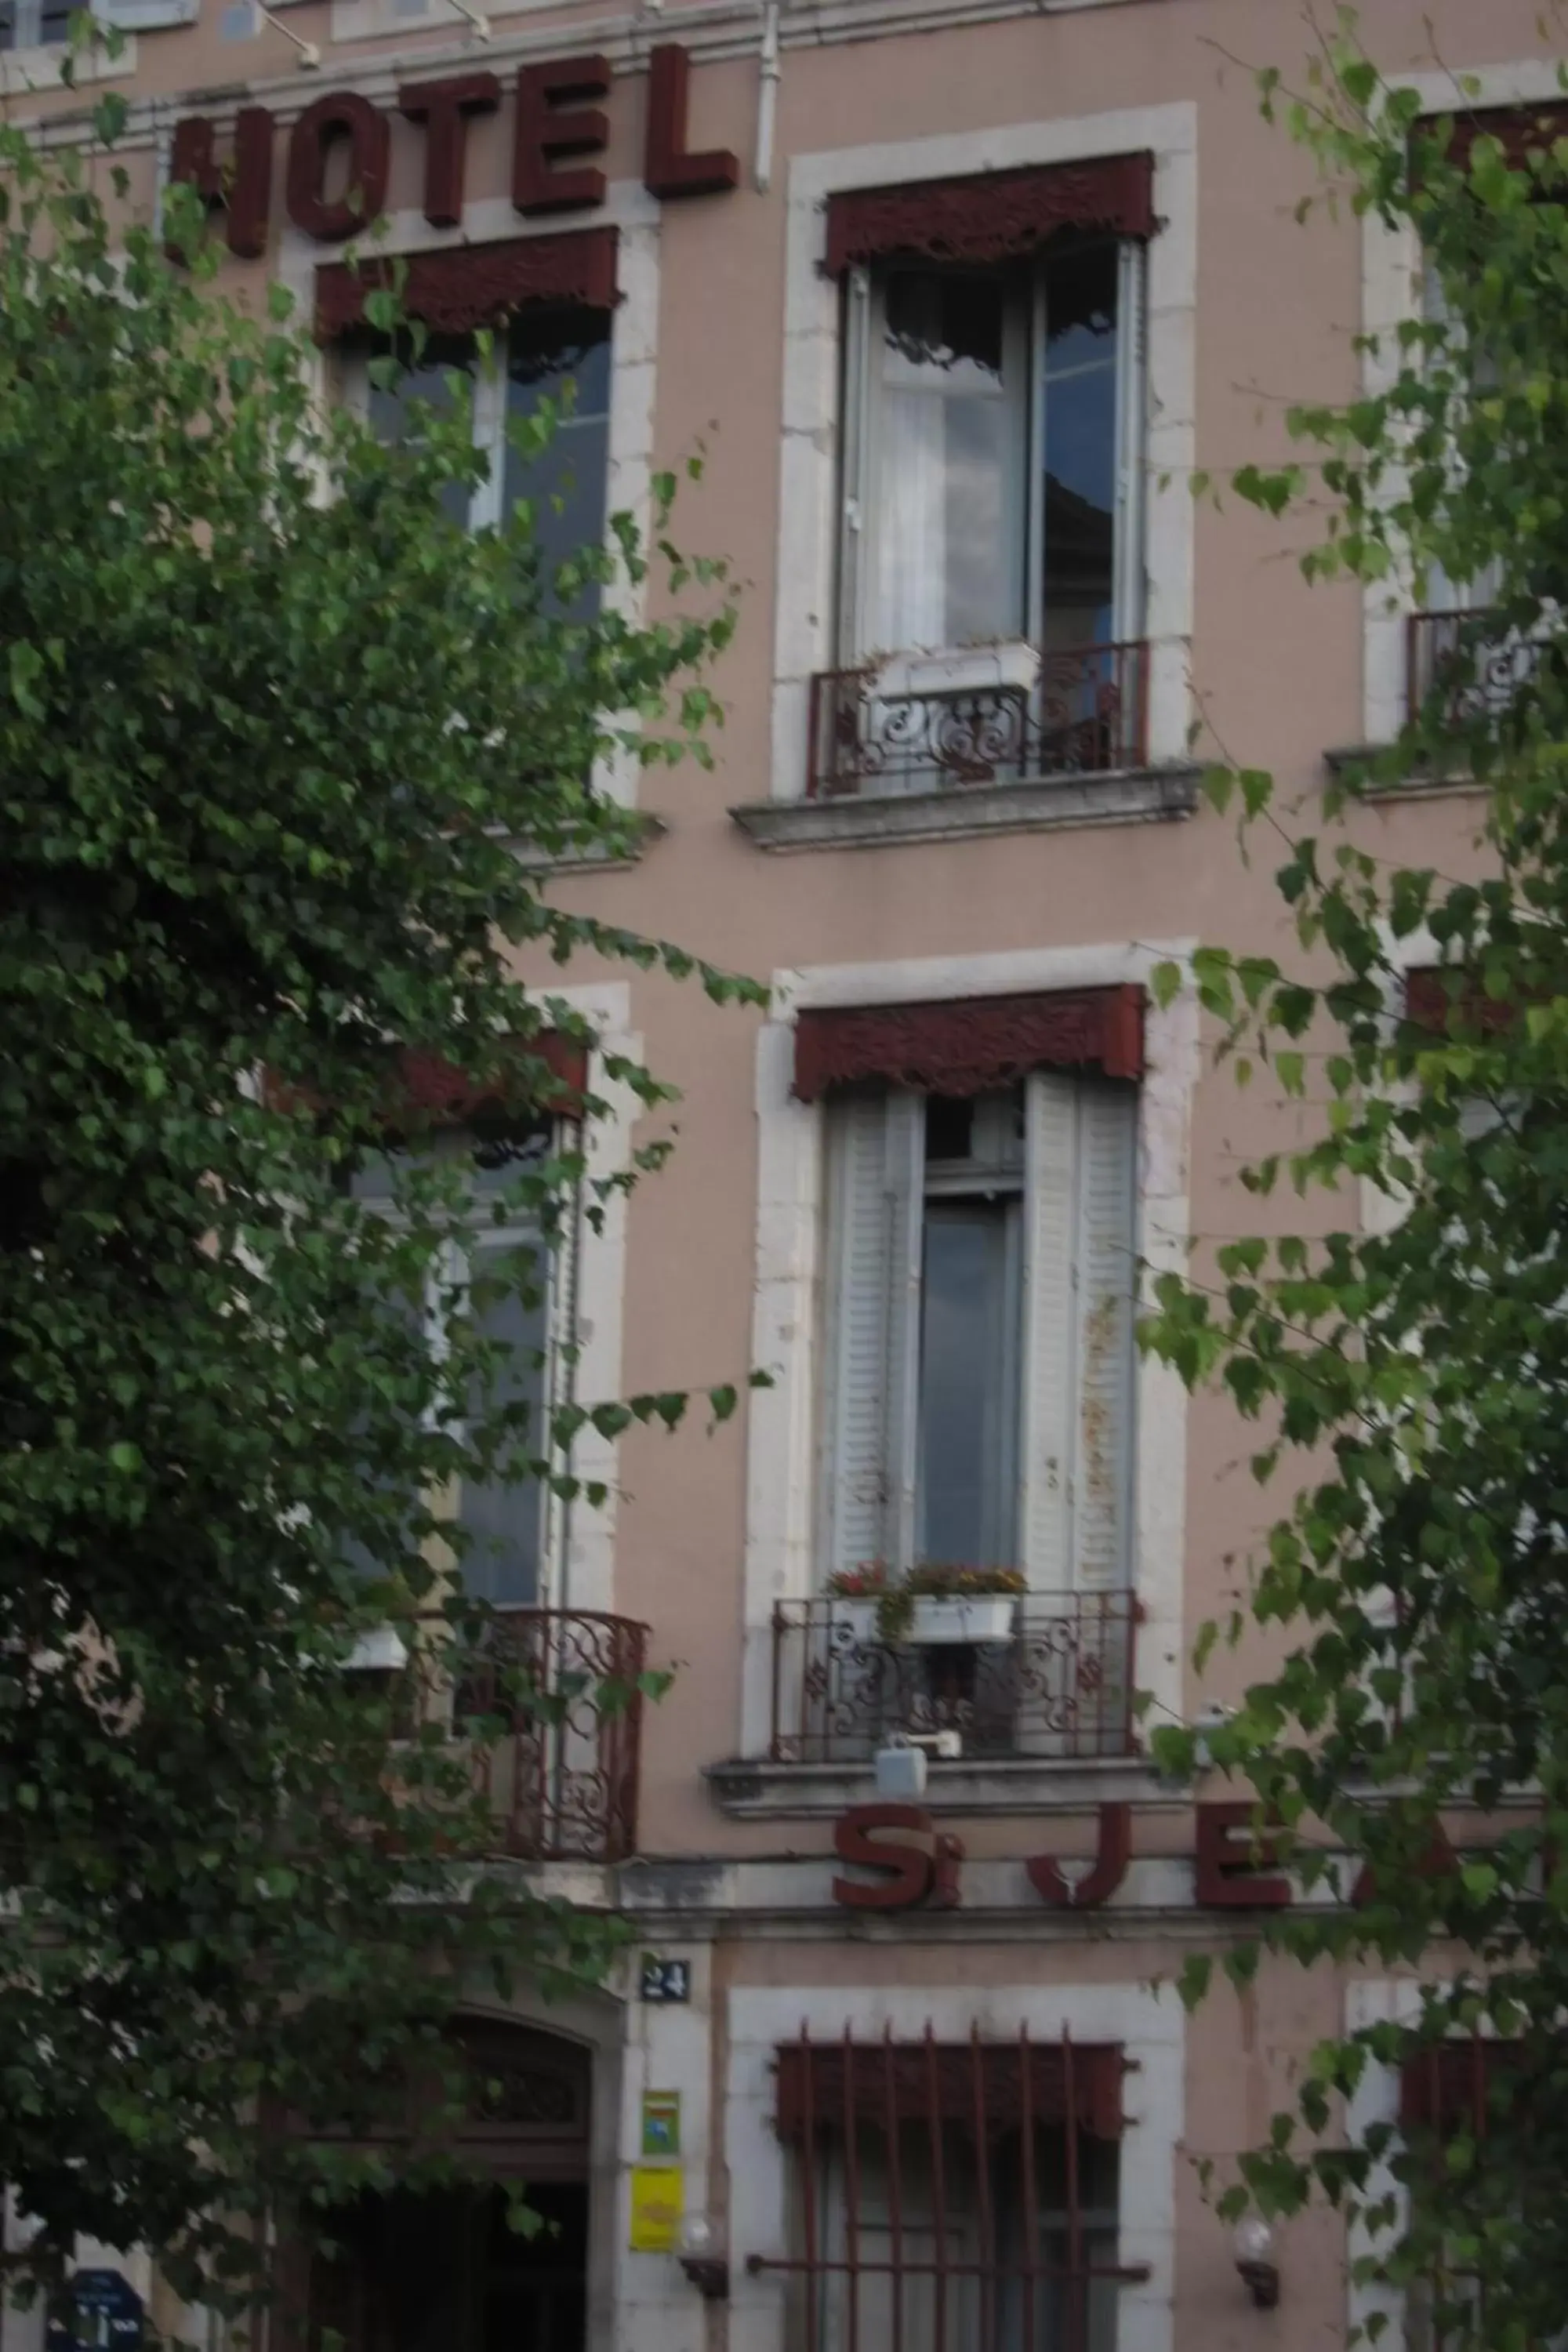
<point x="1080" y="1234"/>
<point x="868" y="1420"/>
<point x="1107" y="1214"/>
<point x="1049" y="1329"/>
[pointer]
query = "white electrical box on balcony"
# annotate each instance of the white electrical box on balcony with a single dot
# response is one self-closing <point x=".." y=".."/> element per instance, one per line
<point x="1010" y="667"/>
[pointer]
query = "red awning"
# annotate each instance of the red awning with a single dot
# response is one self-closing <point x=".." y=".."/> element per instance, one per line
<point x="991" y="215"/>
<point x="463" y="288"/>
<point x="961" y="1045"/>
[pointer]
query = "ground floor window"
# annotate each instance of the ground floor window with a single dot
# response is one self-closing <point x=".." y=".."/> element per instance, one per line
<point x="952" y="2197"/>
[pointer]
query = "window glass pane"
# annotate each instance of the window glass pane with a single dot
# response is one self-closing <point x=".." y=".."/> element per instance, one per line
<point x="970" y="1308"/>
<point x="429" y="382"/>
<point x="403" y="1319"/>
<point x="504" y="1522"/>
<point x="562" y="357"/>
<point x="945" y="566"/>
<point x="1079" y="450"/>
<point x="952" y="2272"/>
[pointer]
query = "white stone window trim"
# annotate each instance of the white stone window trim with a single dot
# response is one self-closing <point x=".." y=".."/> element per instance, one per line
<point x="634" y="342"/>
<point x="808" y="536"/>
<point x="1151" y="2031"/>
<point x="780" y="1554"/>
<point x="1390" y="298"/>
<point x="36" y="68"/>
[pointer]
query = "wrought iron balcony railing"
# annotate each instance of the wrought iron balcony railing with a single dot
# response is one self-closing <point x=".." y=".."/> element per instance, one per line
<point x="1473" y="665"/>
<point x="563" y="1778"/>
<point x="1083" y="715"/>
<point x="1057" y="1682"/>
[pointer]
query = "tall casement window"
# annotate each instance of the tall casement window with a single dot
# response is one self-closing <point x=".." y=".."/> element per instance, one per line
<point x="505" y="1525"/>
<point x="991" y="589"/>
<point x="1457" y="643"/>
<point x="977" y="1390"/>
<point x="975" y="1561"/>
<point x="990" y="488"/>
<point x="949" y="2194"/>
<point x="553" y="296"/>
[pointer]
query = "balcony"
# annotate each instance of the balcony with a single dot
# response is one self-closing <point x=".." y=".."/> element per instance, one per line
<point x="563" y="1779"/>
<point x="1054" y="1686"/>
<point x="1470" y="663"/>
<point x="941" y="724"/>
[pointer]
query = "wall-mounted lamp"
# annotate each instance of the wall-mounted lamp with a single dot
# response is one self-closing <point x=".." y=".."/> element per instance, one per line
<point x="1256" y="2260"/>
<point x="703" y="2257"/>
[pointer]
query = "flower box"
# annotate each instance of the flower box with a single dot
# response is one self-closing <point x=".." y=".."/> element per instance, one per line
<point x="975" y="1617"/>
<point x="854" y="1622"/>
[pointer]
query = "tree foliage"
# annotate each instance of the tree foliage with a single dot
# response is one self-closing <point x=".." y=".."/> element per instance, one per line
<point x="281" y="753"/>
<point x="1418" y="1584"/>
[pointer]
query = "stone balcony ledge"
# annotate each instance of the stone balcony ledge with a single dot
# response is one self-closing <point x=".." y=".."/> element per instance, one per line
<point x="1046" y="805"/>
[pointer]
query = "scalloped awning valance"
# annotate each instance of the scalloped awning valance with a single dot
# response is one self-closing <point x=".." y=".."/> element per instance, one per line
<point x="963" y="1045"/>
<point x="991" y="215"/>
<point x="461" y="288"/>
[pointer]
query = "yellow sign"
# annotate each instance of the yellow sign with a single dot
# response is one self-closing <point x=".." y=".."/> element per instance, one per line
<point x="658" y="2202"/>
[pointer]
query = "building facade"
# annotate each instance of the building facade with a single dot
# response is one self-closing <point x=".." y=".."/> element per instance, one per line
<point x="954" y="296"/>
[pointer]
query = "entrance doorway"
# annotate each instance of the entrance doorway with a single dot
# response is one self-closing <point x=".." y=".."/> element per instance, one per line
<point x="446" y="2272"/>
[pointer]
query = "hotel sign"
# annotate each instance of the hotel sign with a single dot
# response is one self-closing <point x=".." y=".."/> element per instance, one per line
<point x="339" y="150"/>
<point x="1235" y="1862"/>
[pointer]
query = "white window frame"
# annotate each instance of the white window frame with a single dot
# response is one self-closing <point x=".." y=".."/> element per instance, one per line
<point x="1159" y="506"/>
<point x="782" y="1536"/>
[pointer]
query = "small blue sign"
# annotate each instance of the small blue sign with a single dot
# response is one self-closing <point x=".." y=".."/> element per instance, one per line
<point x="103" y="2313"/>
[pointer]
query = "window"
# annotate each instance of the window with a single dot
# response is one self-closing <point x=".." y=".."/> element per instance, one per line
<point x="505" y="1525"/>
<point x="991" y="577"/>
<point x="978" y="1365"/>
<point x="35" y="24"/>
<point x="556" y="354"/>
<point x="1457" y="644"/>
<point x="959" y="2194"/>
<point x="991" y="496"/>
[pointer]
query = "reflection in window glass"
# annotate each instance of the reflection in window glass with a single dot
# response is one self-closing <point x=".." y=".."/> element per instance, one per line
<point x="969" y="1308"/>
<point x="501" y="1562"/>
<point x="564" y="358"/>
<point x="504" y="1521"/>
<point x="559" y="356"/>
<point x="946" y="461"/>
<point x="1078" y="445"/>
<point x="391" y="408"/>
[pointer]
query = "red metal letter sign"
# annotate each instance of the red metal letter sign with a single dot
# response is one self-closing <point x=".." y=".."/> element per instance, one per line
<point x="912" y="1871"/>
<point x="1224" y="1872"/>
<point x="544" y="132"/>
<point x="1109" y="1868"/>
<point x="242" y="187"/>
<point x="341" y="115"/>
<point x="443" y="107"/>
<point x="668" y="169"/>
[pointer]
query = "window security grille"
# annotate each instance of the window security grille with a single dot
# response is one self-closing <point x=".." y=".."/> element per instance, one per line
<point x="956" y="2196"/>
